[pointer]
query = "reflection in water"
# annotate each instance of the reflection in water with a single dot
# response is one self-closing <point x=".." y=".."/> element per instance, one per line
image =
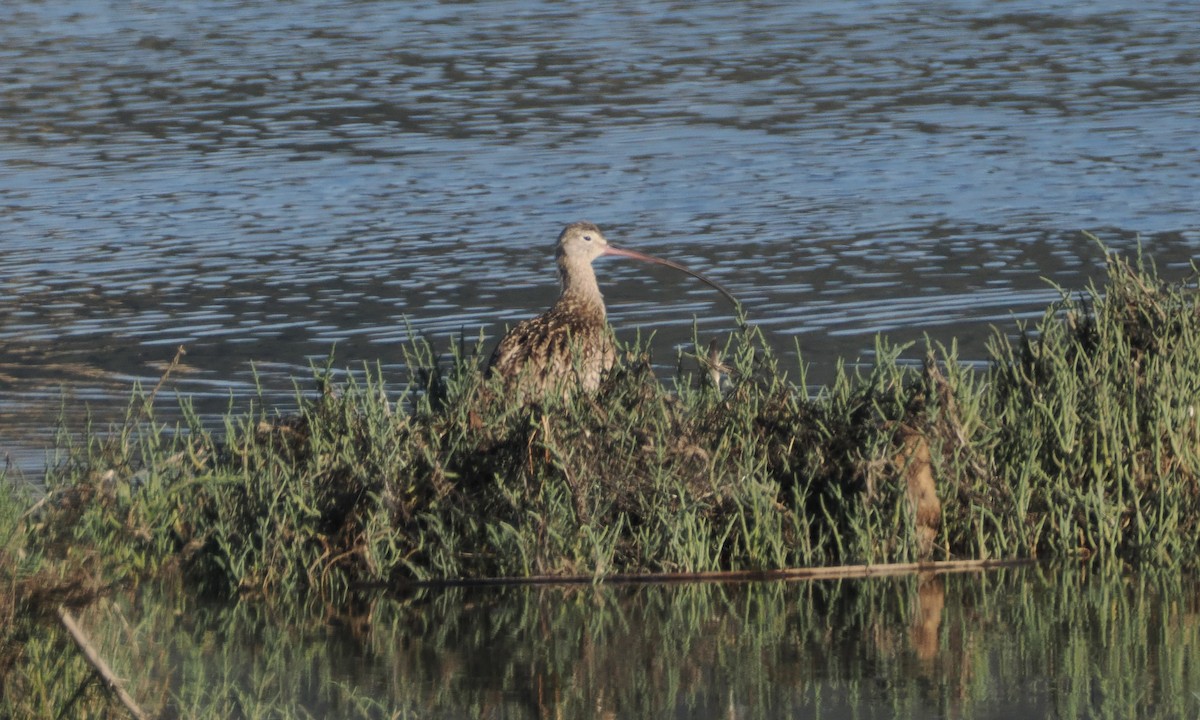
<point x="926" y="616"/>
<point x="1030" y="642"/>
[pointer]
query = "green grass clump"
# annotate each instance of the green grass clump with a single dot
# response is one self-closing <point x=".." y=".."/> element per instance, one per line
<point x="451" y="481"/>
<point x="33" y="586"/>
<point x="1094" y="439"/>
<point x="1079" y="438"/>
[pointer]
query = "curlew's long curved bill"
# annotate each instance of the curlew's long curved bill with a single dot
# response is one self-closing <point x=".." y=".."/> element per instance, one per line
<point x="622" y="252"/>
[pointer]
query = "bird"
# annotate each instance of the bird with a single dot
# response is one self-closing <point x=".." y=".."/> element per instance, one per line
<point x="570" y="345"/>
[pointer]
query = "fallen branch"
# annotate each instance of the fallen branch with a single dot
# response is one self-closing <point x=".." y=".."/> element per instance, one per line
<point x="98" y="664"/>
<point x="734" y="576"/>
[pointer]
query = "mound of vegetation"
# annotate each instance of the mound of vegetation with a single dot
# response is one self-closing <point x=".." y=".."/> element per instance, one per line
<point x="1079" y="438"/>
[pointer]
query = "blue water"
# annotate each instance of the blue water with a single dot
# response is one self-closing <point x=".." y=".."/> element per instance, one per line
<point x="261" y="181"/>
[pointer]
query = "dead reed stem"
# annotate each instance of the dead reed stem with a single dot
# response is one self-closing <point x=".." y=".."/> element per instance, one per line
<point x="98" y="664"/>
<point x="838" y="572"/>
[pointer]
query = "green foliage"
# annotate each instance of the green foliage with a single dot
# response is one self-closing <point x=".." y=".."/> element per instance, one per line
<point x="1079" y="438"/>
<point x="1094" y="414"/>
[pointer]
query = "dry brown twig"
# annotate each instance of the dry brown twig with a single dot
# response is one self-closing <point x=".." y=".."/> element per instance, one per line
<point x="102" y="669"/>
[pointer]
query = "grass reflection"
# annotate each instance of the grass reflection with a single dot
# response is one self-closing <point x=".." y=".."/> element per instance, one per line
<point x="1050" y="641"/>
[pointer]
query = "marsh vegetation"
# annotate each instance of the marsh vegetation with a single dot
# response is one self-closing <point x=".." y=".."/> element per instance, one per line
<point x="1079" y="439"/>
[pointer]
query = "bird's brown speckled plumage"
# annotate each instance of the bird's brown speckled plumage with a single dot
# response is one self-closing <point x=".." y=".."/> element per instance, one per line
<point x="562" y="347"/>
<point x="570" y="345"/>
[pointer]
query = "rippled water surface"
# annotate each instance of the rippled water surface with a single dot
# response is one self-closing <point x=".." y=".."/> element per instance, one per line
<point x="260" y="181"/>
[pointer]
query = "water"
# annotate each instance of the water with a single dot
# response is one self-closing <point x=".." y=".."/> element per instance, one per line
<point x="1029" y="642"/>
<point x="261" y="181"/>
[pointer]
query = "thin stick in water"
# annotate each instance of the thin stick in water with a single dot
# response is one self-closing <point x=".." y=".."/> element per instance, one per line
<point x="98" y="664"/>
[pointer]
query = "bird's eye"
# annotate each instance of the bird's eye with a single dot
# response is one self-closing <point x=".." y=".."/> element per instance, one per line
<point x="587" y="238"/>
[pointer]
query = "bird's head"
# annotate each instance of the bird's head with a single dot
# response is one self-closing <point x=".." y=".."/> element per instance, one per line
<point x="582" y="242"/>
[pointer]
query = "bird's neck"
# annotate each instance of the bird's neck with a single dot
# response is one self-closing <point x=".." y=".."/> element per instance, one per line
<point x="579" y="287"/>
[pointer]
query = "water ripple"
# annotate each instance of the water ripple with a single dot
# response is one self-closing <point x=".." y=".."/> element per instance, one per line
<point x="260" y="181"/>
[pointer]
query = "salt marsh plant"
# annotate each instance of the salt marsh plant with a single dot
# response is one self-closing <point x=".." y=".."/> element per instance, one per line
<point x="1079" y="438"/>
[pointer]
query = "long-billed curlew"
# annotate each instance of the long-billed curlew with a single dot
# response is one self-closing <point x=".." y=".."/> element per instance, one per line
<point x="570" y="345"/>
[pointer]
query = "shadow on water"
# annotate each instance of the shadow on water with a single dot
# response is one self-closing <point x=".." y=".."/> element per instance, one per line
<point x="1037" y="641"/>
